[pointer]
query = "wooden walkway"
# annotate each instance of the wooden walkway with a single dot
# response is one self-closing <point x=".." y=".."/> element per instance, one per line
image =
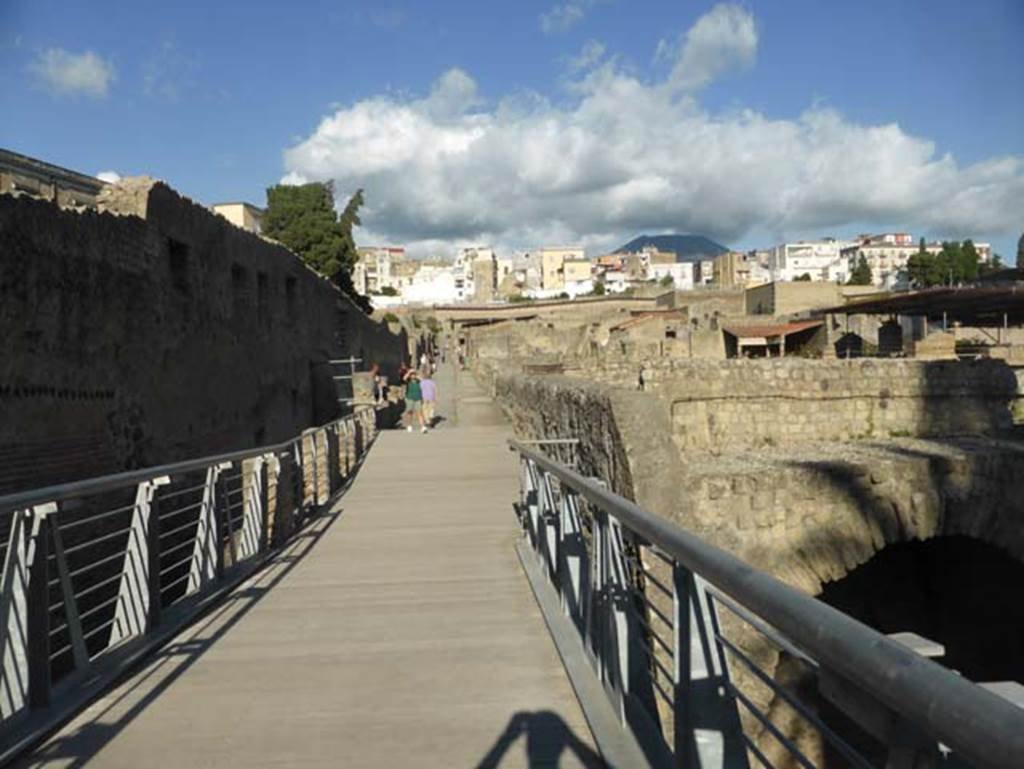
<point x="397" y="631"/>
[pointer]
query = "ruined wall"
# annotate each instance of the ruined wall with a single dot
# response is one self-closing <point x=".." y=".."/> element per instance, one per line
<point x="132" y="341"/>
<point x="727" y="405"/>
<point x="812" y="508"/>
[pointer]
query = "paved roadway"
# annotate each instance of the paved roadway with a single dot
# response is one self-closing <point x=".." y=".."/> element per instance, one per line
<point x="397" y="631"/>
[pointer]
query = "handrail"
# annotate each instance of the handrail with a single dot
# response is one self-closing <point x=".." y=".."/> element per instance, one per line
<point x="63" y="491"/>
<point x="977" y="724"/>
<point x="55" y="655"/>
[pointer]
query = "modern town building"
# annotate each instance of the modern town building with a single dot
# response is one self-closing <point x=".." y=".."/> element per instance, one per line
<point x="22" y="175"/>
<point x="374" y="269"/>
<point x="815" y="260"/>
<point x="680" y="272"/>
<point x="244" y="215"/>
<point x="552" y="265"/>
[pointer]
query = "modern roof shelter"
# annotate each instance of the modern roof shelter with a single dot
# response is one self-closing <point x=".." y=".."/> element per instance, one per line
<point x="771" y="336"/>
<point x="995" y="306"/>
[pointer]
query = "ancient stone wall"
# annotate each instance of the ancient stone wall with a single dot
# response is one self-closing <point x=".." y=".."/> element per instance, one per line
<point x="159" y="334"/>
<point x="812" y="507"/>
<point x="733" y="404"/>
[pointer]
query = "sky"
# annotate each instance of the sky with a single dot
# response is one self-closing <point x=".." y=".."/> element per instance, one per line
<point x="520" y="124"/>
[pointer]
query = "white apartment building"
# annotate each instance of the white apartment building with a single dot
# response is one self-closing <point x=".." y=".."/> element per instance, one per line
<point x="465" y="282"/>
<point x="373" y="269"/>
<point x="888" y="254"/>
<point x="680" y="272"/>
<point x="431" y="284"/>
<point x="821" y="259"/>
<point x="704" y="273"/>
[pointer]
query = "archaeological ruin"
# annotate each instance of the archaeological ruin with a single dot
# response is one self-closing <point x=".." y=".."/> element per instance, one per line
<point x="889" y="487"/>
<point x="150" y="329"/>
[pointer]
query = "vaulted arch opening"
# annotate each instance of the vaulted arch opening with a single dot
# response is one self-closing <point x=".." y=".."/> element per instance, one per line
<point x="959" y="591"/>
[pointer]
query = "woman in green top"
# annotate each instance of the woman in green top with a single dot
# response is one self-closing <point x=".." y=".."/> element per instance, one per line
<point x="414" y="400"/>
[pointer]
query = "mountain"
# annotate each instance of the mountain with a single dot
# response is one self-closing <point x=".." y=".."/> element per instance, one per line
<point x="688" y="248"/>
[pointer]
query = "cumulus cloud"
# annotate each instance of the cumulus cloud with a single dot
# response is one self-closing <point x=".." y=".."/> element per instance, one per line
<point x="562" y="16"/>
<point x="64" y="72"/>
<point x="168" y="73"/>
<point x="723" y="39"/>
<point x="110" y="177"/>
<point x="626" y="156"/>
<point x="589" y="56"/>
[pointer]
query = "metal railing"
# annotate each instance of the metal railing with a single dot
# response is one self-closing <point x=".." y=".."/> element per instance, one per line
<point x="644" y="596"/>
<point x="94" y="568"/>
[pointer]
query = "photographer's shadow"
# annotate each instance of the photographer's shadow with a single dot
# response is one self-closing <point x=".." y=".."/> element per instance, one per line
<point x="549" y="740"/>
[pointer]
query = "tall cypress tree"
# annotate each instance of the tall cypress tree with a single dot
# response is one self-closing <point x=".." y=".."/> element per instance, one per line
<point x="303" y="218"/>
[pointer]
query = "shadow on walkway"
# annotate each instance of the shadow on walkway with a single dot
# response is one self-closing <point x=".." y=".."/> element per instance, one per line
<point x="73" y="749"/>
<point x="548" y="737"/>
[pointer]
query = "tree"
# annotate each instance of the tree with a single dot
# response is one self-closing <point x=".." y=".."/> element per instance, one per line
<point x="668" y="281"/>
<point x="303" y="218"/>
<point x="805" y="278"/>
<point x="860" y="275"/>
<point x="388" y="291"/>
<point x="599" y="289"/>
<point x="967" y="261"/>
<point x="918" y="266"/>
<point x="954" y="264"/>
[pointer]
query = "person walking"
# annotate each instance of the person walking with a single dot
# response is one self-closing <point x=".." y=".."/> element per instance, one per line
<point x="414" y="400"/>
<point x="429" y="389"/>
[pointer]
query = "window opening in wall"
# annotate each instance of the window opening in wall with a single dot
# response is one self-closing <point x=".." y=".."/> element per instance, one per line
<point x="263" y="299"/>
<point x="239" y="288"/>
<point x="177" y="260"/>
<point x="289" y="296"/>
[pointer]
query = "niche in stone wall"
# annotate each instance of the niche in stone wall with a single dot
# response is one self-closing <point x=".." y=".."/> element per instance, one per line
<point x="177" y="262"/>
<point x="290" y="300"/>
<point x="263" y="299"/>
<point x="239" y="290"/>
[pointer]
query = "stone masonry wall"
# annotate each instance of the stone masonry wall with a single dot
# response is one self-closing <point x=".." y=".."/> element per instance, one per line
<point x="158" y="334"/>
<point x="812" y="508"/>
<point x="736" y="404"/>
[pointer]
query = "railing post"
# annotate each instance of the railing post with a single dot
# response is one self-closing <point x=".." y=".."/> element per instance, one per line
<point x="572" y="551"/>
<point x="618" y="596"/>
<point x="252" y="507"/>
<point x="706" y="722"/>
<point x="13" y="620"/>
<point x="152" y="587"/>
<point x="549" y="521"/>
<point x="78" y="649"/>
<point x="207" y="554"/>
<point x="134" y="597"/>
<point x="38" y="600"/>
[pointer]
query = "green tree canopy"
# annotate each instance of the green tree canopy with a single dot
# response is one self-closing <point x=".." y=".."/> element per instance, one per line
<point x="303" y="218"/>
<point x="954" y="263"/>
<point x="860" y="275"/>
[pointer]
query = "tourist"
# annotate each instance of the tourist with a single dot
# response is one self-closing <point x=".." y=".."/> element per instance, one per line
<point x="429" y="389"/>
<point x="380" y="385"/>
<point x="414" y="400"/>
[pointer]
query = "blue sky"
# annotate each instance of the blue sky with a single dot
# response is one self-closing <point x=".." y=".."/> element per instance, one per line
<point x="525" y="122"/>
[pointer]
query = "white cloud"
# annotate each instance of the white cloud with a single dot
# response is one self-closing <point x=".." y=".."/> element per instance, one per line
<point x="64" y="72"/>
<point x="628" y="156"/>
<point x="562" y="16"/>
<point x="723" y="39"/>
<point x="110" y="177"/>
<point x="589" y="56"/>
<point x="169" y="73"/>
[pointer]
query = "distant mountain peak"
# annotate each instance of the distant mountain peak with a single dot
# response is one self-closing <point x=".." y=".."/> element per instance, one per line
<point x="688" y="248"/>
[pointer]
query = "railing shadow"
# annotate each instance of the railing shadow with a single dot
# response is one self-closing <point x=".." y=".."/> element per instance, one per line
<point x="548" y="739"/>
